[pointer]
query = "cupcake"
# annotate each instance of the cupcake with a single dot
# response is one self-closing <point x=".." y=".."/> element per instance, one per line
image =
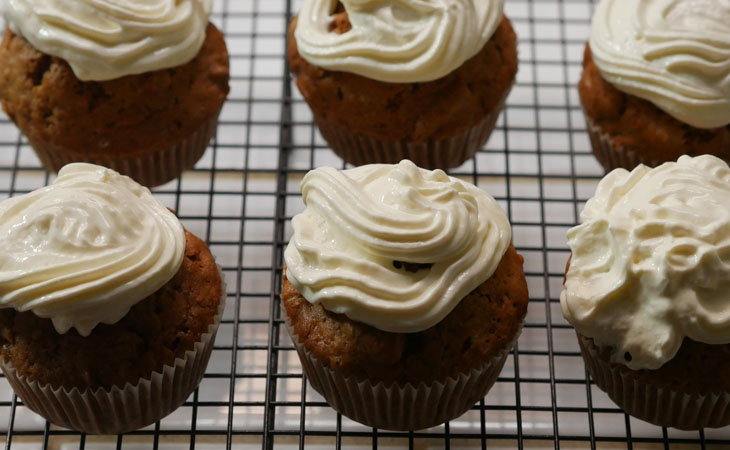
<point x="655" y="81"/>
<point x="131" y="86"/>
<point x="108" y="307"/>
<point x="647" y="291"/>
<point x="396" y="80"/>
<point x="402" y="293"/>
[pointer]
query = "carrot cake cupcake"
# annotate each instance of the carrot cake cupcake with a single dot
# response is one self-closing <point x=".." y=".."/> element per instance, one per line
<point x="656" y="81"/>
<point x="396" y="80"/>
<point x="402" y="293"/>
<point x="134" y="86"/>
<point x="108" y="307"/>
<point x="648" y="291"/>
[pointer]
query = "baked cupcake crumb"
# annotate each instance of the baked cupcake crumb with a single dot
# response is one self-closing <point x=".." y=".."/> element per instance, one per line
<point x="156" y="330"/>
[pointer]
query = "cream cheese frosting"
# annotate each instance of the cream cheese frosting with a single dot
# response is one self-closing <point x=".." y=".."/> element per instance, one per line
<point x="85" y="249"/>
<point x="398" y="41"/>
<point x="651" y="261"/>
<point x="107" y="39"/>
<point x="361" y="225"/>
<point x="673" y="53"/>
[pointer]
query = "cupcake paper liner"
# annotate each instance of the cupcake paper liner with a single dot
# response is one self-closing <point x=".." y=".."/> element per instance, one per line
<point x="399" y="407"/>
<point x="150" y="168"/>
<point x="653" y="403"/>
<point x="360" y="149"/>
<point x="612" y="156"/>
<point x="119" y="410"/>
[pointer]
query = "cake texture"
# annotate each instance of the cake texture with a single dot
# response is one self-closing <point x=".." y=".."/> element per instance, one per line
<point x="108" y="308"/>
<point x="410" y="333"/>
<point x="652" y="87"/>
<point x="646" y="290"/>
<point x="151" y="125"/>
<point x="435" y="122"/>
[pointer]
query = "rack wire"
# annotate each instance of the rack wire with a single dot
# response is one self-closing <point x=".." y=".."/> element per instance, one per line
<point x="242" y="195"/>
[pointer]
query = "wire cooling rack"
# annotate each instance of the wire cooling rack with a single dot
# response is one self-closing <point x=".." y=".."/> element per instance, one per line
<point x="242" y="195"/>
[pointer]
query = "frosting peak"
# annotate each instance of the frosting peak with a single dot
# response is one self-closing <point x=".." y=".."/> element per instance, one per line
<point x="106" y="39"/>
<point x="673" y="53"/>
<point x="393" y="246"/>
<point x="651" y="261"/>
<point x="85" y="249"/>
<point x="398" y="41"/>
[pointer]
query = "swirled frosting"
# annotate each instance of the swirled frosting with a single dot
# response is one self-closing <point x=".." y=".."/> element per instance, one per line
<point x="365" y="231"/>
<point x="106" y="39"/>
<point x="673" y="53"/>
<point x="399" y="41"/>
<point x="651" y="261"/>
<point x="85" y="249"/>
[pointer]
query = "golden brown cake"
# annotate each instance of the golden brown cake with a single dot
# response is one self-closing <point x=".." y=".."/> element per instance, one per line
<point x="156" y="330"/>
<point x="646" y="290"/>
<point x="402" y="293"/>
<point x="437" y="123"/>
<point x="108" y="307"/>
<point x="626" y="130"/>
<point x="150" y="125"/>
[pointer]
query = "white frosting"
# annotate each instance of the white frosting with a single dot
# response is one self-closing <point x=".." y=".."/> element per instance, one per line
<point x="399" y="41"/>
<point x="85" y="249"/>
<point x="673" y="53"/>
<point x="359" y="221"/>
<point x="651" y="261"/>
<point x="106" y="39"/>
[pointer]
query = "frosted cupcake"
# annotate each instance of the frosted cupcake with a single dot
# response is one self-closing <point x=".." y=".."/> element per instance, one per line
<point x="647" y="290"/>
<point x="402" y="293"/>
<point x="655" y="81"/>
<point x="392" y="80"/>
<point x="108" y="307"/>
<point x="136" y="86"/>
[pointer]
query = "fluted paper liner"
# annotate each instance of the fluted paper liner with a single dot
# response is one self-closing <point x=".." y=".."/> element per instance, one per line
<point x="656" y="404"/>
<point x="399" y="407"/>
<point x="360" y="149"/>
<point x="612" y="156"/>
<point x="150" y="168"/>
<point x="119" y="410"/>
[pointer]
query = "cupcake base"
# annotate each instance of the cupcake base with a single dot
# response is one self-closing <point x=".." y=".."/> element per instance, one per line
<point x="149" y="168"/>
<point x="613" y="156"/>
<point x="360" y="149"/>
<point x="120" y="409"/>
<point x="651" y="402"/>
<point x="398" y="407"/>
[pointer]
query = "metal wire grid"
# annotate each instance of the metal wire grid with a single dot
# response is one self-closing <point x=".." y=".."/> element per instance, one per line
<point x="242" y="195"/>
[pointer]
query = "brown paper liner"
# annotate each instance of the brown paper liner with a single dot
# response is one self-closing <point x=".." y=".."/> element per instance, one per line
<point x="612" y="156"/>
<point x="119" y="410"/>
<point x="648" y="401"/>
<point x="360" y="149"/>
<point x="399" y="407"/>
<point x="150" y="168"/>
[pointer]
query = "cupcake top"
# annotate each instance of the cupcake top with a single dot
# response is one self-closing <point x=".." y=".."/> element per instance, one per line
<point x="399" y="41"/>
<point x="673" y="53"/>
<point x="85" y="249"/>
<point x="393" y="246"/>
<point x="650" y="261"/>
<point x="107" y="39"/>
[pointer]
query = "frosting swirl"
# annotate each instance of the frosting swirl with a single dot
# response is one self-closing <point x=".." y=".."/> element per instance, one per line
<point x="673" y="53"/>
<point x="651" y="261"/>
<point x="85" y="249"/>
<point x="106" y="39"/>
<point x="363" y="228"/>
<point x="399" y="41"/>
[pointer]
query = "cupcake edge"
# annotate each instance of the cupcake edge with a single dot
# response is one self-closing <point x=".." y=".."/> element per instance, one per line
<point x="120" y="410"/>
<point x="399" y="407"/>
<point x="360" y="149"/>
<point x="652" y="402"/>
<point x="149" y="168"/>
